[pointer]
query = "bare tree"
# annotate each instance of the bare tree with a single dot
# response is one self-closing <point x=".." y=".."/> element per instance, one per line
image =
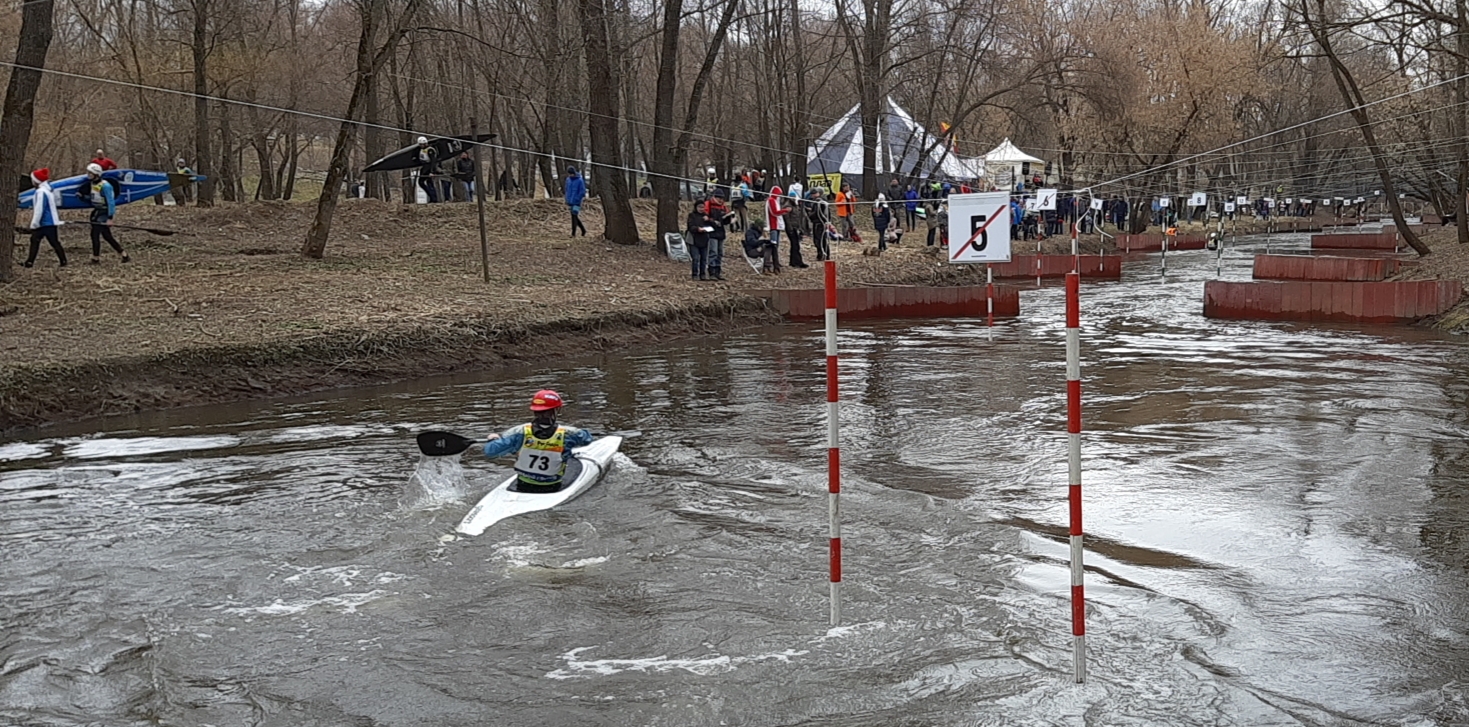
<point x="603" y="124"/>
<point x="18" y="114"/>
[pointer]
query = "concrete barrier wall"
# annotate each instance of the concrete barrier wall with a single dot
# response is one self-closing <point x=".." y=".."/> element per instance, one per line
<point x="898" y="302"/>
<point x="1398" y="302"/>
<point x="1153" y="242"/>
<point x="1057" y="266"/>
<point x="1355" y="241"/>
<point x="1309" y="267"/>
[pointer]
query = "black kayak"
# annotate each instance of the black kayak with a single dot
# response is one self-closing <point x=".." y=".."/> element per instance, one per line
<point x="447" y="147"/>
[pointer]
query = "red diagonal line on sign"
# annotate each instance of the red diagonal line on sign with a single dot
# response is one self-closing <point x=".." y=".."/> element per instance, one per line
<point x="977" y="233"/>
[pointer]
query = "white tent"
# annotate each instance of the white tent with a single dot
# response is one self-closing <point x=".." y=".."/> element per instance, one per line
<point x="904" y="147"/>
<point x="1004" y="162"/>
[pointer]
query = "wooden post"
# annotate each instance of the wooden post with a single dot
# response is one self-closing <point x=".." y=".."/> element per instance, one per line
<point x="479" y="200"/>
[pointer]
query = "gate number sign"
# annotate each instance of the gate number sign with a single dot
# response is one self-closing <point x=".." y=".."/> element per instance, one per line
<point x="972" y="220"/>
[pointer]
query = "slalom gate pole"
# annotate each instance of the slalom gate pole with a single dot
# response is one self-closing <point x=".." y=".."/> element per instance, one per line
<point x="1073" y="437"/>
<point x="989" y="296"/>
<point x="833" y="452"/>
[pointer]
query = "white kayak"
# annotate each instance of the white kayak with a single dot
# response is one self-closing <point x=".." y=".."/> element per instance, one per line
<point x="587" y="467"/>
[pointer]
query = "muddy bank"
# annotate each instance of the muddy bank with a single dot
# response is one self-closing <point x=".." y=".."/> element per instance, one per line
<point x="226" y="310"/>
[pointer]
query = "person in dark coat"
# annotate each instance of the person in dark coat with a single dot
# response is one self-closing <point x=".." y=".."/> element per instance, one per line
<point x="698" y="228"/>
<point x="818" y="213"/>
<point x="882" y="218"/>
<point x="719" y="217"/>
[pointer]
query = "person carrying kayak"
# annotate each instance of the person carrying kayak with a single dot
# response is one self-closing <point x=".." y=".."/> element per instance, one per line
<point x="99" y="193"/>
<point x="543" y="447"/>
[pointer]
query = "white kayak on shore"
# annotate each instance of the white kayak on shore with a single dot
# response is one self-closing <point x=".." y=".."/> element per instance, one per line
<point x="586" y="468"/>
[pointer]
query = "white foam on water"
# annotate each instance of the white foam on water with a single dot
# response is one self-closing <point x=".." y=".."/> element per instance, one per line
<point x="838" y="632"/>
<point x="436" y="481"/>
<point x="703" y="666"/>
<point x="346" y="602"/>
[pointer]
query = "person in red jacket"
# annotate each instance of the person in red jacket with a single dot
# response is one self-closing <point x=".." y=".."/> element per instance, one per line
<point x="104" y="162"/>
<point x="775" y="216"/>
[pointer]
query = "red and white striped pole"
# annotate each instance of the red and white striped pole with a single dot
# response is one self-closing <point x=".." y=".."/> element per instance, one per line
<point x="1073" y="437"/>
<point x="833" y="451"/>
<point x="989" y="296"/>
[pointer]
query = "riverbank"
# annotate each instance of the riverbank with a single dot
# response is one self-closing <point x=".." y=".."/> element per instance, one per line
<point x="228" y="310"/>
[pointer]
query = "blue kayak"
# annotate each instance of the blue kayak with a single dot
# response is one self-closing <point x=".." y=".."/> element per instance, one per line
<point x="130" y="185"/>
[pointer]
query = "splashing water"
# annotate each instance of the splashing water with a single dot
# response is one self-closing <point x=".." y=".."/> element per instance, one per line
<point x="435" y="482"/>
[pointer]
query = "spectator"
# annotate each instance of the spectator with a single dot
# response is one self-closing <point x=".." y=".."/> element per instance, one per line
<point x="882" y="217"/>
<point x="576" y="191"/>
<point x="910" y="204"/>
<point x="739" y="200"/>
<point x="895" y="191"/>
<point x="846" y="206"/>
<point x="820" y="218"/>
<point x="719" y="216"/>
<point x="1017" y="216"/>
<point x="759" y="247"/>
<point x="698" y="228"/>
<point x="931" y="216"/>
<point x="775" y="218"/>
<point x="796" y="225"/>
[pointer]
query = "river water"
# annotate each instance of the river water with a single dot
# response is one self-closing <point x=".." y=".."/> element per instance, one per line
<point x="1275" y="521"/>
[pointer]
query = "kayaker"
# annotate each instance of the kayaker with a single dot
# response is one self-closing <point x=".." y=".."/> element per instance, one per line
<point x="99" y="193"/>
<point x="44" y="219"/>
<point x="544" y="448"/>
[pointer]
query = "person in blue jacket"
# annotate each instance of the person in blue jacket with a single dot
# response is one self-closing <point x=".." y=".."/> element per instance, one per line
<point x="543" y="461"/>
<point x="576" y="191"/>
<point x="911" y="205"/>
<point x="100" y="194"/>
<point x="44" y="218"/>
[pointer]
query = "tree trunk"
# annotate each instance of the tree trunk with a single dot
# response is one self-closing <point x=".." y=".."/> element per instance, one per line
<point x="661" y="167"/>
<point x="18" y="115"/>
<point x="228" y="174"/>
<point x="203" y="159"/>
<point x="603" y="124"/>
<point x="1346" y="84"/>
<point x="368" y="63"/>
<point x="1458" y="125"/>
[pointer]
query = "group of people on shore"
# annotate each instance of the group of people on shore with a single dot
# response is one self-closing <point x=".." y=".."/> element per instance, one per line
<point x="440" y="185"/>
<point x="101" y="196"/>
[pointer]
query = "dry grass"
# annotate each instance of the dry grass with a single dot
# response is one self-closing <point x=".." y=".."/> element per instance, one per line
<point x="400" y="286"/>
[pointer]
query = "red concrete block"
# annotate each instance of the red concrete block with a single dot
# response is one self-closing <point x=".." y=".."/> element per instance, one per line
<point x="1153" y="242"/>
<point x="1356" y="241"/>
<point x="1057" y="266"/>
<point x="1348" y="302"/>
<point x="1307" y="267"/>
<point x="898" y="302"/>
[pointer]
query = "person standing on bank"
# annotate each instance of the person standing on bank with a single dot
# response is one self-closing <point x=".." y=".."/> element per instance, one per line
<point x="698" y="227"/>
<point x="44" y="219"/>
<point x="775" y="218"/>
<point x="576" y="191"/>
<point x="820" y="217"/>
<point x="99" y="193"/>
<point x="719" y="217"/>
<point x="464" y="174"/>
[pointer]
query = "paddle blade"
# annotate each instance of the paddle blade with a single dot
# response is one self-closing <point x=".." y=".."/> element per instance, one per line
<point x="443" y="444"/>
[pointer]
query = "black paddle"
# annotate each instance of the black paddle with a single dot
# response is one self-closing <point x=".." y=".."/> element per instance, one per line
<point x="449" y="444"/>
<point x="443" y="444"/>
<point x="149" y="230"/>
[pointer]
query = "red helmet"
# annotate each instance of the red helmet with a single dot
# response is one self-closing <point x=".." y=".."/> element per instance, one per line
<point x="545" y="400"/>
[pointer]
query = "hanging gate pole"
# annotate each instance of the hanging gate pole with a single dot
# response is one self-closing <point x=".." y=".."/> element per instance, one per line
<point x="833" y="452"/>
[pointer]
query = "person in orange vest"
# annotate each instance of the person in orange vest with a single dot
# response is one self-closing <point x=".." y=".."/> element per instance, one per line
<point x="845" y="206"/>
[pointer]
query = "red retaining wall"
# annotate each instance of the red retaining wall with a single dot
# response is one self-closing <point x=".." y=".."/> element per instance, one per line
<point x="897" y="302"/>
<point x="1309" y="267"/>
<point x="1057" y="266"/>
<point x="1153" y="242"/>
<point x="1356" y="241"/>
<point x="1400" y="302"/>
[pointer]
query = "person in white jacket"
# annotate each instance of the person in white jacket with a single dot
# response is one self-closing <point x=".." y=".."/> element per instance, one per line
<point x="44" y="218"/>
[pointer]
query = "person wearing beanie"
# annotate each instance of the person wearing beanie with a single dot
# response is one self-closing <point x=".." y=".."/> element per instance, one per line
<point x="576" y="191"/>
<point x="99" y="193"/>
<point x="44" y="218"/>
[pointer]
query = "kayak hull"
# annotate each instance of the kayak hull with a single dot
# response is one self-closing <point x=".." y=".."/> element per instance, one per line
<point x="446" y="148"/>
<point x="504" y="502"/>
<point x="130" y="185"/>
